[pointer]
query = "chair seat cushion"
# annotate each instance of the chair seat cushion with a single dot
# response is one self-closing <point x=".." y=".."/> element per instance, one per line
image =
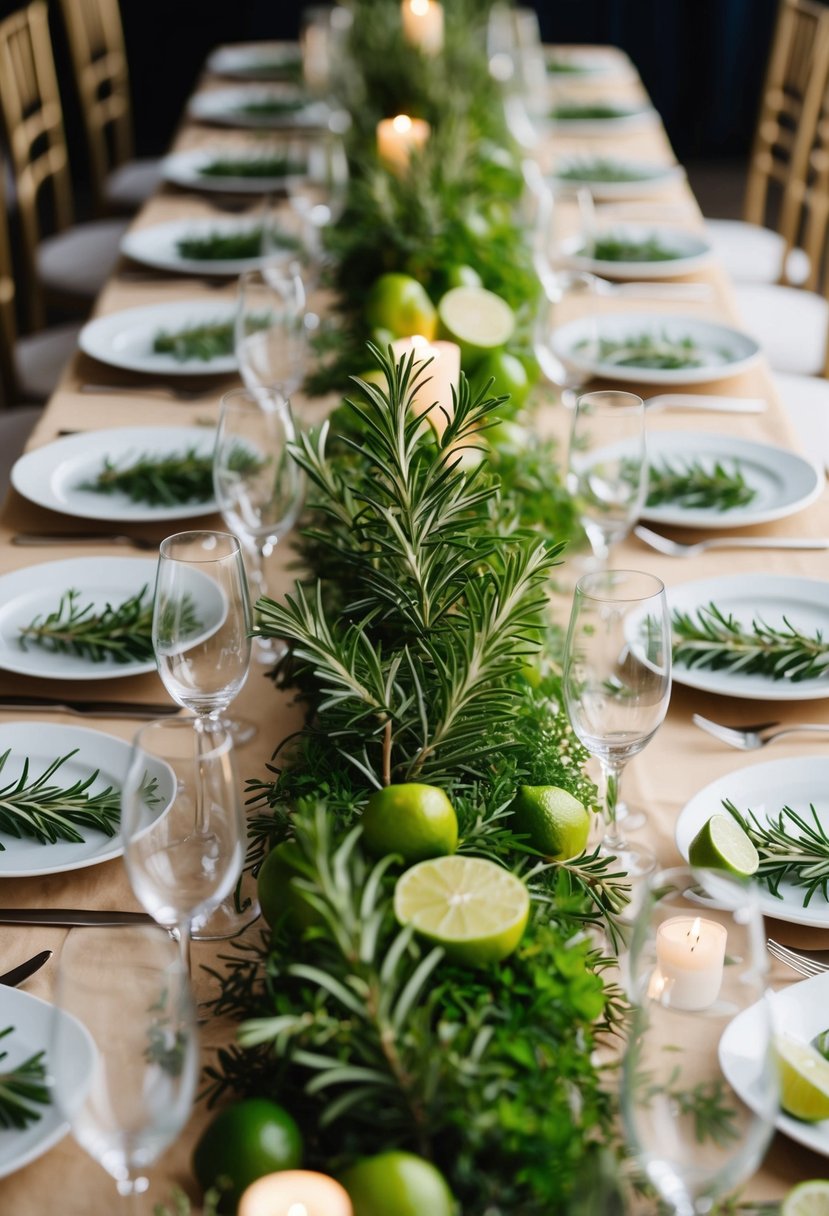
<point x="751" y="254"/>
<point x="40" y="358"/>
<point x="130" y="185"/>
<point x="79" y="261"/>
<point x="806" y="402"/>
<point x="790" y="324"/>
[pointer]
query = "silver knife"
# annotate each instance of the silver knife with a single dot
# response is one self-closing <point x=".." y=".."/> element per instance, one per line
<point x="23" y="970"/>
<point x="63" y="917"/>
<point x="92" y="709"/>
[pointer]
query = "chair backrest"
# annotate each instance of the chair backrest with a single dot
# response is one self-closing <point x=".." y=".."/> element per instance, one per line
<point x="32" y="116"/>
<point x="96" y="44"/>
<point x="789" y="109"/>
<point x="8" y="322"/>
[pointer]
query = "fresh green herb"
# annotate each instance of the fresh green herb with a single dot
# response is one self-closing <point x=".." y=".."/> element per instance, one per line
<point x="271" y="107"/>
<point x="226" y="246"/>
<point x="289" y="68"/>
<point x="713" y="639"/>
<point x="619" y="248"/>
<point x="252" y="166"/>
<point x="568" y="66"/>
<point x="22" y="1089"/>
<point x="600" y="170"/>
<point x="707" y="1104"/>
<point x="203" y="342"/>
<point x="651" y="351"/>
<point x="576" y="111"/>
<point x="168" y="480"/>
<point x="695" y="484"/>
<point x="792" y="847"/>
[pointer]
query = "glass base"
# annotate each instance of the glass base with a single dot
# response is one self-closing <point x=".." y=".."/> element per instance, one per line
<point x="226" y="921"/>
<point x="632" y="821"/>
<point x="637" y="864"/>
<point x="269" y="651"/>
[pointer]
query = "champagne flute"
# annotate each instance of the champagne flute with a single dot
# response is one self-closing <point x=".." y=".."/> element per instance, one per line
<point x="128" y="989"/>
<point x="607" y="471"/>
<point x="187" y="860"/>
<point x="697" y="958"/>
<point x="258" y="485"/>
<point x="617" y="683"/>
<point x="270" y="336"/>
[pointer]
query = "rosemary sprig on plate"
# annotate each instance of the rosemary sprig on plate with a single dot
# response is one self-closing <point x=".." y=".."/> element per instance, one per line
<point x="278" y="165"/>
<point x="713" y="639"/>
<point x="567" y="66"/>
<point x="601" y="170"/>
<point x="168" y="480"/>
<point x="271" y="107"/>
<point x="619" y="248"/>
<point x="695" y="484"/>
<point x="224" y="246"/>
<point x="651" y="351"/>
<point x="288" y="68"/>
<point x="212" y="340"/>
<point x="791" y="847"/>
<point x="46" y="812"/>
<point x="585" y="111"/>
<point x="22" y="1089"/>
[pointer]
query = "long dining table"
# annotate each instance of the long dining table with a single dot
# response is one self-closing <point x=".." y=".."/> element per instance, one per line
<point x="677" y="763"/>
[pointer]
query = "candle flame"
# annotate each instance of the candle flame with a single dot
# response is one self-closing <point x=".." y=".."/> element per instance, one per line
<point x="297" y="1209"/>
<point x="419" y="7"/>
<point x="418" y="341"/>
<point x="402" y="123"/>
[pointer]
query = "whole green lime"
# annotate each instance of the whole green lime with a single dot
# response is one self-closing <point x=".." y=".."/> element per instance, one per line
<point x="243" y="1142"/>
<point x="416" y="821"/>
<point x="398" y="1184"/>
<point x="555" y="822"/>
<point x="462" y="275"/>
<point x="509" y="374"/>
<point x="399" y="304"/>
<point x="277" y="893"/>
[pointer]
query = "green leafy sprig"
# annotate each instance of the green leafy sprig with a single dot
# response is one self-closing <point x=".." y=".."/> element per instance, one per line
<point x="792" y="847"/>
<point x="716" y="640"/>
<point x="168" y="480"/>
<point x="277" y="165"/>
<point x="272" y="107"/>
<point x="601" y="170"/>
<point x="576" y="110"/>
<point x="652" y="351"/>
<point x="212" y="340"/>
<point x="696" y="484"/>
<point x="22" y="1089"/>
<point x="619" y="248"/>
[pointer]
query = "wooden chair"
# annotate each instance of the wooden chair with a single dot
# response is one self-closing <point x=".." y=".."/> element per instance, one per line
<point x="96" y="44"/>
<point x="751" y="251"/>
<point x="71" y="266"/>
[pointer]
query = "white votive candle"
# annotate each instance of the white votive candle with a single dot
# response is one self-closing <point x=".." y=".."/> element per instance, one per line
<point x="295" y="1193"/>
<point x="438" y="379"/>
<point x="398" y="138"/>
<point x="690" y="952"/>
<point x="423" y="25"/>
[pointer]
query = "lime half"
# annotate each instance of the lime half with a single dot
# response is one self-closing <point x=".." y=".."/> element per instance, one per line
<point x="804" y="1080"/>
<point x="473" y="908"/>
<point x="721" y="844"/>
<point x="478" y="320"/>
<point x="807" y="1199"/>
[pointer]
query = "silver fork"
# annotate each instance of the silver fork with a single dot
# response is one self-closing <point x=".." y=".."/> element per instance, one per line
<point x="85" y="538"/>
<point x="674" y="548"/>
<point x="179" y="393"/>
<point x="752" y="738"/>
<point x="803" y="964"/>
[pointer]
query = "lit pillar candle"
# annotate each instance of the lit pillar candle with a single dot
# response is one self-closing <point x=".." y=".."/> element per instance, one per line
<point x="690" y="952"/>
<point x="423" y="25"/>
<point x="439" y="378"/>
<point x="295" y="1193"/>
<point x="398" y="138"/>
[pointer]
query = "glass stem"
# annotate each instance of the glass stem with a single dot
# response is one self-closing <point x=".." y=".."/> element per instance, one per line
<point x="200" y="825"/>
<point x="612" y="771"/>
<point x="184" y="932"/>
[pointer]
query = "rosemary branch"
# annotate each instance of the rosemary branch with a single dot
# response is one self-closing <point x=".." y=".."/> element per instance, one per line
<point x="791" y="847"/>
<point x="652" y="351"/>
<point x="170" y="479"/>
<point x="713" y="639"/>
<point x="693" y="484"/>
<point x="204" y="342"/>
<point x="22" y="1089"/>
<point x="278" y="165"/>
<point x="221" y="246"/>
<point x="615" y="247"/>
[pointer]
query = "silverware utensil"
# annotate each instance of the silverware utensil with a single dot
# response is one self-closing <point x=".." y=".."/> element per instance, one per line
<point x="752" y="738"/>
<point x="92" y="709"/>
<point x="691" y="292"/>
<point x="22" y="971"/>
<point x="84" y="538"/>
<point x="804" y="963"/>
<point x="178" y="392"/>
<point x="674" y="548"/>
<point x="63" y="917"/>
<point x="701" y="403"/>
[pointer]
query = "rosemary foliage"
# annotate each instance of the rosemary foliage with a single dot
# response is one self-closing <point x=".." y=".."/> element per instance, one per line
<point x="713" y="639"/>
<point x="620" y="248"/>
<point x="22" y="1089"/>
<point x="276" y="165"/>
<point x="693" y="483"/>
<point x="652" y="351"/>
<point x="221" y="246"/>
<point x="202" y="342"/>
<point x="600" y="170"/>
<point x="708" y="1104"/>
<point x="271" y="107"/>
<point x="576" y="111"/>
<point x="287" y="67"/>
<point x="792" y="847"/>
<point x="168" y="480"/>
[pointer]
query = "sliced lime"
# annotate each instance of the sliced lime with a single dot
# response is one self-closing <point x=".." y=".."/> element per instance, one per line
<point x="721" y="844"/>
<point x="478" y="320"/>
<point x="473" y="908"/>
<point x="804" y="1080"/>
<point x="807" y="1199"/>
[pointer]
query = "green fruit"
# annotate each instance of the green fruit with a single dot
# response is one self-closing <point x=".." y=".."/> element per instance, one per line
<point x="416" y="821"/>
<point x="242" y="1143"/>
<point x="721" y="844"/>
<point x="807" y="1199"/>
<point x="398" y="1184"/>
<point x="556" y="823"/>
<point x="400" y="305"/>
<point x="509" y="374"/>
<point x="462" y="276"/>
<point x="278" y="896"/>
<point x="804" y="1080"/>
<point x="478" y="320"/>
<point x="475" y="909"/>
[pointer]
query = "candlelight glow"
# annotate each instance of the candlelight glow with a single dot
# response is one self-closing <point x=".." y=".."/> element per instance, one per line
<point x="402" y="123"/>
<point x="297" y="1209"/>
<point x="420" y="7"/>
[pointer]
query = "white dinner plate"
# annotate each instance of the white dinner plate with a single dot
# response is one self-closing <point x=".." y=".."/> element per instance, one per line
<point x="41" y="744"/>
<point x="799" y="1011"/>
<point x="797" y="782"/>
<point x="804" y="602"/>
<point x="52" y="476"/>
<point x="187" y="169"/>
<point x="783" y="481"/>
<point x="229" y="108"/>
<point x="37" y="590"/>
<point x="650" y="177"/>
<point x="32" y="1020"/>
<point x="627" y="116"/>
<point x="691" y="252"/>
<point x="723" y="351"/>
<point x="566" y="64"/>
<point x="257" y="61"/>
<point x="158" y="246"/>
<point x="125" y="339"/>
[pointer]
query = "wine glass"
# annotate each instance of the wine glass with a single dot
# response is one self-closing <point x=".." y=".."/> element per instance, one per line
<point x="258" y="484"/>
<point x="617" y="683"/>
<point x="607" y="466"/>
<point x="128" y="989"/>
<point x="183" y="862"/>
<point x="270" y="336"/>
<point x="697" y="958"/>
